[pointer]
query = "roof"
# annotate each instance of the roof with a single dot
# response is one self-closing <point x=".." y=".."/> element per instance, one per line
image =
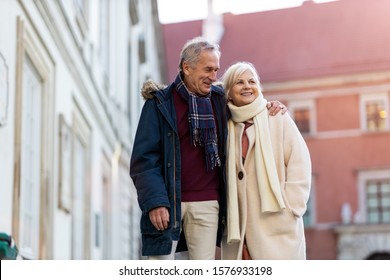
<point x="313" y="40"/>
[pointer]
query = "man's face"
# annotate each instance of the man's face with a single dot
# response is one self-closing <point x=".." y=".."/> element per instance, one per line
<point x="198" y="79"/>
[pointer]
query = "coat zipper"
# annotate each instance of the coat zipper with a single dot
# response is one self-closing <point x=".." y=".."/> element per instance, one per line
<point x="175" y="223"/>
<point x="174" y="181"/>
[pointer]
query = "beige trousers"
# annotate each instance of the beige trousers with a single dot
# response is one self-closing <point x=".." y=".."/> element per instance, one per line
<point x="200" y="226"/>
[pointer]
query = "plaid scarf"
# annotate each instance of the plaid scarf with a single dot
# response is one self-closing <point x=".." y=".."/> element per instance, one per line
<point x="203" y="130"/>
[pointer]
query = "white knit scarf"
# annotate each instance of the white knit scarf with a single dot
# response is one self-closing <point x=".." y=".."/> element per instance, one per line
<point x="267" y="177"/>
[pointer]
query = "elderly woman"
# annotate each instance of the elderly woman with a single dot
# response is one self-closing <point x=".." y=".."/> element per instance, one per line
<point x="269" y="175"/>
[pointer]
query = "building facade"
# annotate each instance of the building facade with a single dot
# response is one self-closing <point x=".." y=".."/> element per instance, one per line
<point x="330" y="64"/>
<point x="70" y="74"/>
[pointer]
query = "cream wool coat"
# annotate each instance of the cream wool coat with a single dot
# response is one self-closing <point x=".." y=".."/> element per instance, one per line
<point x="280" y="235"/>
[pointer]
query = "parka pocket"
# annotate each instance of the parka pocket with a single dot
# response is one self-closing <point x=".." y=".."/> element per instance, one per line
<point x="155" y="242"/>
<point x="148" y="228"/>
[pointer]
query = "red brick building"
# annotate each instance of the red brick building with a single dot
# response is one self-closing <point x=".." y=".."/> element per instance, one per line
<point x="330" y="64"/>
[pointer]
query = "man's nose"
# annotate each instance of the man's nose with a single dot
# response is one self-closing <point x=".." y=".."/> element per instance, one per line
<point x="213" y="76"/>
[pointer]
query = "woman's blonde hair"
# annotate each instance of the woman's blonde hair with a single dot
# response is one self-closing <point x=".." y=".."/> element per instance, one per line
<point x="236" y="70"/>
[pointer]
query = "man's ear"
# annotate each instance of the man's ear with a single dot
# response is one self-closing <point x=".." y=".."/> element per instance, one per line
<point x="186" y="68"/>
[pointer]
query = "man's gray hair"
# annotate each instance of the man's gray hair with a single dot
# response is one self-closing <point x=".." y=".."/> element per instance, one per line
<point x="193" y="48"/>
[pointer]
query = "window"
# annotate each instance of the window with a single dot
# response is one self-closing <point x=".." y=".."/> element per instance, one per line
<point x="82" y="7"/>
<point x="97" y="230"/>
<point x="302" y="119"/>
<point x="141" y="49"/>
<point x="30" y="159"/>
<point x="133" y="11"/>
<point x="4" y="91"/>
<point x="107" y="208"/>
<point x="374" y="196"/>
<point x="65" y="166"/>
<point x="79" y="191"/>
<point x="376" y="115"/>
<point x="104" y="38"/>
<point x="309" y="216"/>
<point x="375" y="108"/>
<point x="81" y="195"/>
<point x="378" y="201"/>
<point x="33" y="146"/>
<point x="303" y="114"/>
<point x="129" y="83"/>
<point x="127" y="220"/>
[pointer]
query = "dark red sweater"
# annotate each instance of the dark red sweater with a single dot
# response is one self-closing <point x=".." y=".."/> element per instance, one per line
<point x="197" y="183"/>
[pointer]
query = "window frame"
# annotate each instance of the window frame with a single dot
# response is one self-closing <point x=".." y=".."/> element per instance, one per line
<point x="377" y="196"/>
<point x="30" y="181"/>
<point x="29" y="46"/>
<point x="364" y="98"/>
<point x="81" y="134"/>
<point x="363" y="177"/>
<point x="299" y="104"/>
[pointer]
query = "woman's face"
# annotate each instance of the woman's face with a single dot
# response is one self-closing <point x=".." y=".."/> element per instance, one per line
<point x="245" y="89"/>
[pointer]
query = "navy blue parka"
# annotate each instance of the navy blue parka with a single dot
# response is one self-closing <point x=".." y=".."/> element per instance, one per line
<point x="155" y="166"/>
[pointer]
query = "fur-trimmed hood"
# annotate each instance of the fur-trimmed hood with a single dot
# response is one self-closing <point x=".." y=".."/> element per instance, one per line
<point x="149" y="88"/>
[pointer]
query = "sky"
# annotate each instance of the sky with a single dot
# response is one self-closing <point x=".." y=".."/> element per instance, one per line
<point x="171" y="11"/>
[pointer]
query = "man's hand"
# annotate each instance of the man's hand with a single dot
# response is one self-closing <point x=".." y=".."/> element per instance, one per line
<point x="274" y="107"/>
<point x="159" y="217"/>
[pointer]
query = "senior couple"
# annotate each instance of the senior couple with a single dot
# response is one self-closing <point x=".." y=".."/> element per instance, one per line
<point x="218" y="165"/>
